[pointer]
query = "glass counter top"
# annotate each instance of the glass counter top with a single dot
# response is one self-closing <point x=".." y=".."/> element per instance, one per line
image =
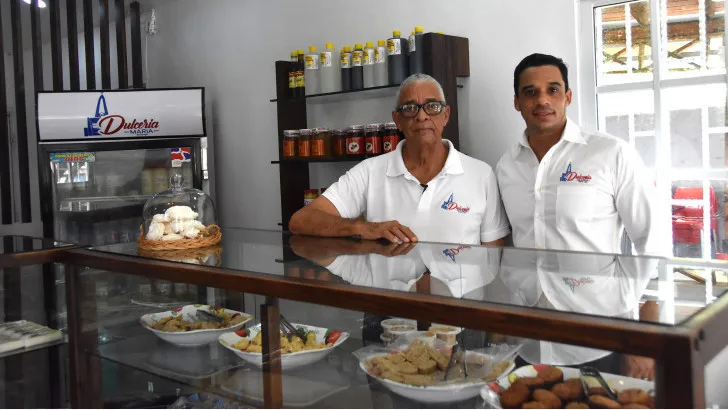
<point x="603" y="285"/>
<point x="19" y="244"/>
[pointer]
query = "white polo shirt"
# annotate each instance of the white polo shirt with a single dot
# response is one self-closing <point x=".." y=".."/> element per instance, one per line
<point x="586" y="190"/>
<point x="460" y="205"/>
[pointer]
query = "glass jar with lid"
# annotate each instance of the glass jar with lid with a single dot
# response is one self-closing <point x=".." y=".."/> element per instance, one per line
<point x="391" y="137"/>
<point x="290" y="143"/>
<point x="338" y="142"/>
<point x="373" y="139"/>
<point x="355" y="140"/>
<point x="179" y="218"/>
<point x="304" y="142"/>
<point x="320" y="143"/>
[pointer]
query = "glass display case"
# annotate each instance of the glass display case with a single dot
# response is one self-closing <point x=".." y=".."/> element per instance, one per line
<point x="653" y="325"/>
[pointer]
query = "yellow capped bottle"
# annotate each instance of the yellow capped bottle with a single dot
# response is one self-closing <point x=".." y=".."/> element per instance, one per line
<point x="380" y="64"/>
<point x="329" y="71"/>
<point x="397" y="50"/>
<point x="345" y="65"/>
<point x="357" y="68"/>
<point x="416" y="62"/>
<point x="312" y="71"/>
<point x="368" y="65"/>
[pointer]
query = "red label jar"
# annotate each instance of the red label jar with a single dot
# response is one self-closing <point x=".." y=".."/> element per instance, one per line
<point x="391" y="137"/>
<point x="290" y="143"/>
<point x="373" y="139"/>
<point x="338" y="142"/>
<point x="355" y="140"/>
<point x="304" y="143"/>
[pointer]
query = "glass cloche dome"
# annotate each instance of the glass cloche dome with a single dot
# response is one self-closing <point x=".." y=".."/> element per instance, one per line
<point x="179" y="218"/>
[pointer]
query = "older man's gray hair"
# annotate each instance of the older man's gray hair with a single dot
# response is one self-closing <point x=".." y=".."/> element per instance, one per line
<point x="418" y="78"/>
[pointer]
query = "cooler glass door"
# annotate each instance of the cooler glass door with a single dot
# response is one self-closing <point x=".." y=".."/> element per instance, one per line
<point x="98" y="196"/>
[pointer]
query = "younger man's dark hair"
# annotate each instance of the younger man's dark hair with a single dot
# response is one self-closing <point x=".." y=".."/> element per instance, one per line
<point x="538" y="60"/>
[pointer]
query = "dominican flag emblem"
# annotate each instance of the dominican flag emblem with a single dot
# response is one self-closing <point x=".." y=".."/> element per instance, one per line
<point x="181" y="154"/>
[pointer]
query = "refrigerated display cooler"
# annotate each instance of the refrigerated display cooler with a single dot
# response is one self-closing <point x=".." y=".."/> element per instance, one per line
<point x="103" y="154"/>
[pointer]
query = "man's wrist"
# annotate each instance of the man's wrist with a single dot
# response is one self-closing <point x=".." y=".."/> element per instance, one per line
<point x="358" y="227"/>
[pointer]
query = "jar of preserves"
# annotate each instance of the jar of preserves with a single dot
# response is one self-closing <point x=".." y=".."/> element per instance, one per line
<point x="320" y="143"/>
<point x="391" y="137"/>
<point x="373" y="139"/>
<point x="304" y="143"/>
<point x="290" y="143"/>
<point x="355" y="140"/>
<point x="338" y="142"/>
<point x="309" y="195"/>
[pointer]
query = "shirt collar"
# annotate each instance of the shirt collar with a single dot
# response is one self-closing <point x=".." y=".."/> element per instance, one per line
<point x="452" y="166"/>
<point x="572" y="133"/>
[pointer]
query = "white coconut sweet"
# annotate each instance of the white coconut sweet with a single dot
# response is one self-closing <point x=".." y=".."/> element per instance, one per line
<point x="172" y="237"/>
<point x="155" y="232"/>
<point x="180" y="213"/>
<point x="161" y="218"/>
<point x="191" y="233"/>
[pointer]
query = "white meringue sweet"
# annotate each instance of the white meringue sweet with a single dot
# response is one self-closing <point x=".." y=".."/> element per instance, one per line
<point x="168" y="228"/>
<point x="180" y="213"/>
<point x="155" y="232"/>
<point x="159" y="218"/>
<point x="191" y="233"/>
<point x="172" y="237"/>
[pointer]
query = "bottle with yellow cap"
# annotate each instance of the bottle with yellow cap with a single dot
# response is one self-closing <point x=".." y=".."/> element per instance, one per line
<point x="381" y="78"/>
<point x="300" y="78"/>
<point x="345" y="65"/>
<point x="357" y="68"/>
<point x="416" y="62"/>
<point x="368" y="64"/>
<point x="397" y="50"/>
<point x="292" y="74"/>
<point x="312" y="71"/>
<point x="329" y="71"/>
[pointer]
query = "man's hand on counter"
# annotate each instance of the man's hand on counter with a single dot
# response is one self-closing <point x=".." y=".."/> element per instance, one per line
<point x="392" y="231"/>
<point x="638" y="367"/>
<point x="324" y="250"/>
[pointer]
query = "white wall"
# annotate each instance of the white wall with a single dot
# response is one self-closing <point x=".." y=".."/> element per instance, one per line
<point x="229" y="46"/>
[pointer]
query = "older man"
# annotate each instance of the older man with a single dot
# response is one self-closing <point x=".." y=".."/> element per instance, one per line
<point x="424" y="190"/>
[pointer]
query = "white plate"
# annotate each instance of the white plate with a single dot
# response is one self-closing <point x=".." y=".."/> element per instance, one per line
<point x="614" y="380"/>
<point x="193" y="337"/>
<point x="288" y="360"/>
<point x="434" y="394"/>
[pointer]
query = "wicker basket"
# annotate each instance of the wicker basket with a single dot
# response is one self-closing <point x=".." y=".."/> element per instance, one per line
<point x="182" y="255"/>
<point x="210" y="236"/>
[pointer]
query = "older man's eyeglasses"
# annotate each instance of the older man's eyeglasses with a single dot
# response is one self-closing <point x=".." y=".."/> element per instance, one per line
<point x="431" y="108"/>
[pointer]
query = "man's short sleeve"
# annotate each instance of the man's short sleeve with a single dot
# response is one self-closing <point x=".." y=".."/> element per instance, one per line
<point x="349" y="193"/>
<point x="495" y="222"/>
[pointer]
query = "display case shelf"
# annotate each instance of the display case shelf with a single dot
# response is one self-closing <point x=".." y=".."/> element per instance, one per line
<point x="314" y="160"/>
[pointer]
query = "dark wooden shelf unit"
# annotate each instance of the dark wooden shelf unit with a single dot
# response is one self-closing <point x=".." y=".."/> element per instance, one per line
<point x="446" y="59"/>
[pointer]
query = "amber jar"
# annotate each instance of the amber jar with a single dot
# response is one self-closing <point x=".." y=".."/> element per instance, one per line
<point x="309" y="195"/>
<point x="373" y="140"/>
<point x="355" y="140"/>
<point x="338" y="142"/>
<point x="321" y="143"/>
<point x="391" y="137"/>
<point x="290" y="143"/>
<point x="304" y="143"/>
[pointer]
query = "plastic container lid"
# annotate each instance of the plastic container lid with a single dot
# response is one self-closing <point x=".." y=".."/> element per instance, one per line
<point x="290" y="133"/>
<point x="355" y="127"/>
<point x="372" y="127"/>
<point x="330" y="46"/>
<point x="390" y="125"/>
<point x="370" y="44"/>
<point x="381" y="43"/>
<point x="396" y="33"/>
<point x="419" y="29"/>
<point x="312" y="49"/>
<point x="307" y="131"/>
<point x="357" y="46"/>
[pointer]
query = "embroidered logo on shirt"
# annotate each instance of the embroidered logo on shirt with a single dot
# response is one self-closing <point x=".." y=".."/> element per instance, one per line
<point x="576" y="283"/>
<point x="452" y="252"/>
<point x="451" y="205"/>
<point x="570" y="175"/>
